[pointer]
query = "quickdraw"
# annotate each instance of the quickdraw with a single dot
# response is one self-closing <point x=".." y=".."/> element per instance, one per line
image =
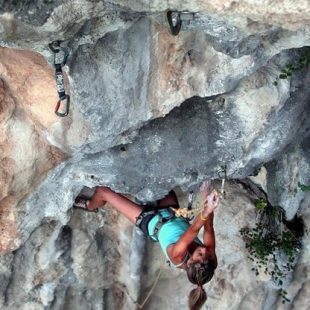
<point x="222" y="173"/>
<point x="60" y="53"/>
<point x="188" y="213"/>
<point x="174" y="22"/>
<point x="190" y="200"/>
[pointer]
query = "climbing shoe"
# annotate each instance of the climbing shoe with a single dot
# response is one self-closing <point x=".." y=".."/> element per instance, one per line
<point x="81" y="202"/>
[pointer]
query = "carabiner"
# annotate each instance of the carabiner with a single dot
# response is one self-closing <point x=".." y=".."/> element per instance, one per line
<point x="56" y="49"/>
<point x="54" y="46"/>
<point x="65" y="102"/>
<point x="174" y="22"/>
<point x="65" y="55"/>
<point x="223" y="170"/>
<point x="177" y="18"/>
<point x="190" y="200"/>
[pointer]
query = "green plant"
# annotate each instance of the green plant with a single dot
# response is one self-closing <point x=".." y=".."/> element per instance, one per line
<point x="260" y="204"/>
<point x="303" y="187"/>
<point x="269" y="240"/>
<point x="283" y="295"/>
<point x="302" y="62"/>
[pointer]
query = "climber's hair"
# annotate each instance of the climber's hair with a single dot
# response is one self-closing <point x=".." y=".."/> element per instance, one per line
<point x="199" y="274"/>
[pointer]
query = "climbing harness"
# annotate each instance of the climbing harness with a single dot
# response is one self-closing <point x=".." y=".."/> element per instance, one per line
<point x="161" y="221"/>
<point x="174" y="211"/>
<point x="176" y="18"/>
<point x="60" y="59"/>
<point x="154" y="211"/>
<point x="187" y="213"/>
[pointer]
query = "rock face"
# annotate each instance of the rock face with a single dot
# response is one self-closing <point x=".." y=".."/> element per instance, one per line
<point x="149" y="112"/>
<point x="27" y="129"/>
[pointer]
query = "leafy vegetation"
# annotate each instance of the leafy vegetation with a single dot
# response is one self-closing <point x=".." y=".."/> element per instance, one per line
<point x="303" y="187"/>
<point x="271" y="246"/>
<point x="260" y="204"/>
<point x="290" y="68"/>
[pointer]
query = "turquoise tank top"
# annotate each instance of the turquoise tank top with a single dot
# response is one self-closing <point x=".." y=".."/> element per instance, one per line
<point x="170" y="232"/>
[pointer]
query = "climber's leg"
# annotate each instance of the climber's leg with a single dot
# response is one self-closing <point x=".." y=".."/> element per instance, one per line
<point x="170" y="200"/>
<point x="118" y="201"/>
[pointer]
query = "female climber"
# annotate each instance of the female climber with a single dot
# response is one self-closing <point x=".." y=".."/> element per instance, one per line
<point x="176" y="236"/>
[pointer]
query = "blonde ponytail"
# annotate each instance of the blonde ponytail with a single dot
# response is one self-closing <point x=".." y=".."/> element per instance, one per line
<point x="199" y="274"/>
<point x="197" y="297"/>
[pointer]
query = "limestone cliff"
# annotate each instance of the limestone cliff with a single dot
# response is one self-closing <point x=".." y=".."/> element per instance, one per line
<point x="149" y="112"/>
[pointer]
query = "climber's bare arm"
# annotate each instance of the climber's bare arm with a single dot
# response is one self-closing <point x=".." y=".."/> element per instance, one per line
<point x="205" y="218"/>
<point x="180" y="249"/>
<point x="209" y="238"/>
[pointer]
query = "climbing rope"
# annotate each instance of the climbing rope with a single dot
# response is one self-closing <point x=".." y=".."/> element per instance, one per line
<point x="60" y="59"/>
<point x="184" y="212"/>
<point x="188" y="213"/>
<point x="140" y="306"/>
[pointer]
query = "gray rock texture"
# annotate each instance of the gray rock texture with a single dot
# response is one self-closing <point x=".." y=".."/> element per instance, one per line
<point x="150" y="112"/>
<point x="286" y="177"/>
